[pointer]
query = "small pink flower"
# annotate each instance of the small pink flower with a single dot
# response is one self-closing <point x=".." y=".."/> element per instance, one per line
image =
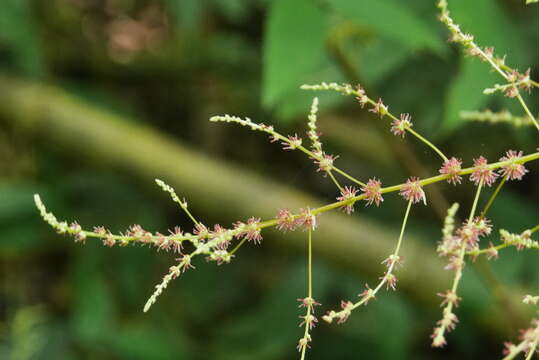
<point x="450" y="297"/>
<point x="438" y="340"/>
<point x="346" y="194"/>
<point x="379" y="108"/>
<point x="399" y="126"/>
<point x="513" y="171"/>
<point x="308" y="301"/>
<point x="372" y="192"/>
<point x="413" y="191"/>
<point x="201" y="231"/>
<point x="250" y="231"/>
<point x="391" y="280"/>
<point x="361" y="97"/>
<point x="307" y="219"/>
<point x="366" y="295"/>
<point x="285" y="220"/>
<point x="293" y="142"/>
<point x="482" y="225"/>
<point x="452" y="167"/>
<point x="325" y="163"/>
<point x="482" y="173"/>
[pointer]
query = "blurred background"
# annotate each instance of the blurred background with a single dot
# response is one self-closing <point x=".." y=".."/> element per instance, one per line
<point x="99" y="97"/>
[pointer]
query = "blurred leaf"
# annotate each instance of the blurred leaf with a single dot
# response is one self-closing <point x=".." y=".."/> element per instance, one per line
<point x="490" y="26"/>
<point x="93" y="305"/>
<point x="466" y="91"/>
<point x="17" y="201"/>
<point x="293" y="47"/>
<point x="18" y="32"/>
<point x="138" y="341"/>
<point x="391" y="19"/>
<point x="186" y="12"/>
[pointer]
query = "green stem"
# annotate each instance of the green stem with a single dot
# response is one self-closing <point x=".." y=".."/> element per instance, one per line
<point x="530" y="115"/>
<point x="334" y="180"/>
<point x="428" y="143"/>
<point x="492" y="197"/>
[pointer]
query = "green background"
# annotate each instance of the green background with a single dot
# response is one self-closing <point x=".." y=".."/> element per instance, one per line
<point x="99" y="97"/>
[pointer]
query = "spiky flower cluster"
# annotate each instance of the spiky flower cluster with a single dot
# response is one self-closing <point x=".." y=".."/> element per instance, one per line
<point x="457" y="243"/>
<point x="413" y="191"/>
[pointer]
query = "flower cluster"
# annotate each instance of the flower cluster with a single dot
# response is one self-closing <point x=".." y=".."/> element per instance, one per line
<point x="452" y="168"/>
<point x="399" y="126"/>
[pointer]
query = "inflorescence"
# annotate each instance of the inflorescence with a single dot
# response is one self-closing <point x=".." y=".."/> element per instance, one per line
<point x="220" y="244"/>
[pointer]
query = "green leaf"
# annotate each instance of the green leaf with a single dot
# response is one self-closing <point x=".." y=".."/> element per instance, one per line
<point x="531" y="1"/>
<point x="19" y="33"/>
<point x="466" y="91"/>
<point x="93" y="307"/>
<point x="293" y="47"/>
<point x="390" y="19"/>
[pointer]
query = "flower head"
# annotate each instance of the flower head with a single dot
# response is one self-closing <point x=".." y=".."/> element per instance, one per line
<point x="399" y="126"/>
<point x="372" y="192"/>
<point x="348" y="193"/>
<point x="514" y="170"/>
<point x="413" y="191"/>
<point x="452" y="168"/>
<point x="293" y="142"/>
<point x="325" y="162"/>
<point x="482" y="173"/>
<point x="379" y="108"/>
<point x="285" y="220"/>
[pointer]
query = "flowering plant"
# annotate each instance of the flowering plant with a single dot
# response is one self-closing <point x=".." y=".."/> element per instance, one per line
<point x="460" y="242"/>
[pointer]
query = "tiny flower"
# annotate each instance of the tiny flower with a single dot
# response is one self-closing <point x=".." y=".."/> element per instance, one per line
<point x="469" y="234"/>
<point x="391" y="280"/>
<point x="511" y="92"/>
<point x="492" y="252"/>
<point x="309" y="320"/>
<point x="483" y="226"/>
<point x="379" y="108"/>
<point x="452" y="167"/>
<point x="307" y="219"/>
<point x="399" y="126"/>
<point x="525" y="80"/>
<point x="393" y="261"/>
<point x="508" y="348"/>
<point x="201" y="231"/>
<point x="482" y="173"/>
<point x="346" y="311"/>
<point x="251" y="231"/>
<point x="304" y="343"/>
<point x="308" y="301"/>
<point x="293" y="142"/>
<point x="372" y="192"/>
<point x="450" y="297"/>
<point x="109" y="240"/>
<point x="285" y="220"/>
<point x="347" y="194"/>
<point x="449" y="321"/>
<point x="438" y="339"/>
<point x="367" y="295"/>
<point x="514" y="170"/>
<point x="412" y="191"/>
<point x="325" y="163"/>
<point x="361" y="97"/>
<point x="489" y="52"/>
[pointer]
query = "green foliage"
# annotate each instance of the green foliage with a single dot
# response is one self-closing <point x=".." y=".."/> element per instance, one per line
<point x="18" y="33"/>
